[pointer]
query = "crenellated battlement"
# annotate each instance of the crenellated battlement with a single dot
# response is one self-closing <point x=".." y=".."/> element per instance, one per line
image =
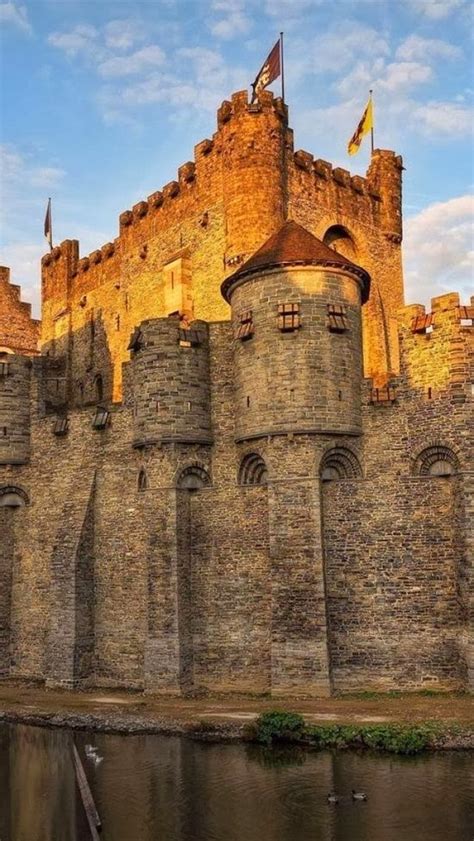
<point x="445" y="311"/>
<point x="241" y="185"/>
<point x="239" y="104"/>
<point x="324" y="171"/>
<point x="19" y="332"/>
<point x="437" y="348"/>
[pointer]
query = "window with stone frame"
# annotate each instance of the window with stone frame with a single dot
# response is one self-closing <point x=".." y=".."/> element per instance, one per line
<point x="4" y="369"/>
<point x="289" y="318"/>
<point x="437" y="460"/>
<point x="101" y="418"/>
<point x="61" y="426"/>
<point x="245" y="329"/>
<point x="337" y="318"/>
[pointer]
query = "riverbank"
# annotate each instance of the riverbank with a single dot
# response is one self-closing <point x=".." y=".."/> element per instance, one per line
<point x="343" y="720"/>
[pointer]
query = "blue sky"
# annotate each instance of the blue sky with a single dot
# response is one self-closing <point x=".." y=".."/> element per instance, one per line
<point x="102" y="101"/>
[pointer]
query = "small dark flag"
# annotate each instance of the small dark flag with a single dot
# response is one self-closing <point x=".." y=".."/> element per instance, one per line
<point x="48" y="225"/>
<point x="270" y="71"/>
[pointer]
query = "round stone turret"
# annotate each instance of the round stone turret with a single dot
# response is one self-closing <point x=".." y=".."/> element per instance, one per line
<point x="170" y="382"/>
<point x="296" y="311"/>
<point x="14" y="409"/>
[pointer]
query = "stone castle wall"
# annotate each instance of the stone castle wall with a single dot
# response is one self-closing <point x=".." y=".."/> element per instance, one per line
<point x="242" y="184"/>
<point x="19" y="332"/>
<point x="193" y="496"/>
<point x="121" y="576"/>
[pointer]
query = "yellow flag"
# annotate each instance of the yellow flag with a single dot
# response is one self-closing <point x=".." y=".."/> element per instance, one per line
<point x="366" y="124"/>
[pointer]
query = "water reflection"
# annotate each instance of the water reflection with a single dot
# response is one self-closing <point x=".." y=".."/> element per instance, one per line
<point x="149" y="788"/>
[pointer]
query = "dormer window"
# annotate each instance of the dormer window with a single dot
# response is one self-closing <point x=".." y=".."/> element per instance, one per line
<point x="245" y="328"/>
<point x="423" y="323"/>
<point x="101" y="418"/>
<point x="289" y="317"/>
<point x="61" y="426"/>
<point x="337" y="318"/>
<point x="465" y="316"/>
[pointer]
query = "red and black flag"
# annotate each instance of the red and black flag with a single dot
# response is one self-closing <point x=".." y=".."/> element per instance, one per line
<point x="48" y="225"/>
<point x="270" y="71"/>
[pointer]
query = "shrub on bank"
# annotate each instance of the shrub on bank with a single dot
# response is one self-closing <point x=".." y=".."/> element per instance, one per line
<point x="279" y="726"/>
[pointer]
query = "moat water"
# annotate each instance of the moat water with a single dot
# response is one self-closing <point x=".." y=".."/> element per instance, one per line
<point x="153" y="788"/>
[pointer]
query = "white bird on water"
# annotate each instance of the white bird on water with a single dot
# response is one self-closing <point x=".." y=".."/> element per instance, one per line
<point x="93" y="754"/>
<point x="359" y="795"/>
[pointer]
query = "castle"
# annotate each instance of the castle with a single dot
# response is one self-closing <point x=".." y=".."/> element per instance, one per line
<point x="239" y="462"/>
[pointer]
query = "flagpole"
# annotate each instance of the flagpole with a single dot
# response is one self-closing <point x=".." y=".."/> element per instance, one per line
<point x="50" y="226"/>
<point x="282" y="68"/>
<point x="372" y="127"/>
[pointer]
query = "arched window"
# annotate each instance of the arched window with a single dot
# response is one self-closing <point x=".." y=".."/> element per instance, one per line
<point x="12" y="497"/>
<point x="339" y="463"/>
<point x="436" y="461"/>
<point x="341" y="241"/>
<point x="253" y="470"/>
<point x="142" y="480"/>
<point x="193" y="478"/>
<point x="99" y="388"/>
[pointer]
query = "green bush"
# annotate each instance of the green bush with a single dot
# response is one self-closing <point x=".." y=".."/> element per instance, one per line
<point x="398" y="739"/>
<point x="393" y="738"/>
<point x="279" y="726"/>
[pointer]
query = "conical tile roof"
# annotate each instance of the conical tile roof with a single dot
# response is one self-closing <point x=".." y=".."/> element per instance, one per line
<point x="293" y="245"/>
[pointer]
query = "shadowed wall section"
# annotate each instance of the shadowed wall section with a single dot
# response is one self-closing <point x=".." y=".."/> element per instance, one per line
<point x="394" y="611"/>
<point x="6" y="571"/>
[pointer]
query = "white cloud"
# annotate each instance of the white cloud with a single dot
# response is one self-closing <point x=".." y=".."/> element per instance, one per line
<point x="435" y="9"/>
<point x="80" y="39"/>
<point x="415" y="48"/>
<point x="16" y="168"/>
<point x="17" y="15"/>
<point x="443" y="118"/>
<point x="235" y="21"/>
<point x="45" y="176"/>
<point x="341" y="47"/>
<point x="128" y="65"/>
<point x="400" y="77"/>
<point x="123" y="34"/>
<point x="25" y="186"/>
<point x="288" y="9"/>
<point x="438" y="250"/>
<point x="201" y="79"/>
<point x="19" y="204"/>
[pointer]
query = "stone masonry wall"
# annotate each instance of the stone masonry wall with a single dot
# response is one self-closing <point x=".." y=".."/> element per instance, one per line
<point x="14" y="409"/>
<point x="120" y="577"/>
<point x="305" y="380"/>
<point x="231" y="589"/>
<point x="242" y="184"/>
<point x="392" y="583"/>
<point x="6" y="569"/>
<point x="19" y="332"/>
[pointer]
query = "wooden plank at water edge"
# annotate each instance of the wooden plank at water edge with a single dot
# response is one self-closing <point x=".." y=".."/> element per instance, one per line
<point x="92" y="814"/>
